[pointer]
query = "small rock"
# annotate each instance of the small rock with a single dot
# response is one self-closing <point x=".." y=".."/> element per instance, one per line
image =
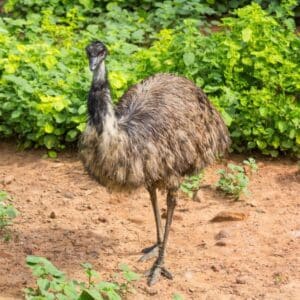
<point x="68" y="195"/>
<point x="102" y="220"/>
<point x="295" y="233"/>
<point x="229" y="216"/>
<point x="215" y="268"/>
<point x="221" y="242"/>
<point x="93" y="254"/>
<point x="136" y="220"/>
<point x="241" y="280"/>
<point x="52" y="215"/>
<point x="198" y="196"/>
<point x="221" y="235"/>
<point x="8" y="179"/>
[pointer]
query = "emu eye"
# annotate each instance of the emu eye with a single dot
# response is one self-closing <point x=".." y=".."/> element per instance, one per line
<point x="101" y="52"/>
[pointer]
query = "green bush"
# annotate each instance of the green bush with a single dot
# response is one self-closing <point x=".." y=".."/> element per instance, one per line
<point x="7" y="214"/>
<point x="51" y="283"/>
<point x="249" y="69"/>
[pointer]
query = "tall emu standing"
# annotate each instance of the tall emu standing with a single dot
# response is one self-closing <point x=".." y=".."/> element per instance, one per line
<point x="162" y="129"/>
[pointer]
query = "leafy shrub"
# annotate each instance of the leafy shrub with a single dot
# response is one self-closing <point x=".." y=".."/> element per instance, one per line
<point x="233" y="180"/>
<point x="191" y="184"/>
<point x="249" y="69"/>
<point x="251" y="164"/>
<point x="7" y="214"/>
<point x="53" y="284"/>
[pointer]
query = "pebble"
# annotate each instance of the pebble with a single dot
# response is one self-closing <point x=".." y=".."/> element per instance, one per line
<point x="295" y="233"/>
<point x="241" y="280"/>
<point x="229" y="216"/>
<point x="221" y="235"/>
<point x="215" y="268"/>
<point x="221" y="242"/>
<point x="68" y="195"/>
<point x="52" y="215"/>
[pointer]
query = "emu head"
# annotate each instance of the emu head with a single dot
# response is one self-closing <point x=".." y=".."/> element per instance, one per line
<point x="96" y="52"/>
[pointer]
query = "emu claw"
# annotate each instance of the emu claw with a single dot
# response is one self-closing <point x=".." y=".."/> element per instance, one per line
<point x="154" y="273"/>
<point x="149" y="253"/>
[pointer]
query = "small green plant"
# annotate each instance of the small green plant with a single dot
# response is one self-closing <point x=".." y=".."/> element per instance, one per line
<point x="191" y="184"/>
<point x="233" y="181"/>
<point x="7" y="214"/>
<point x="52" y="284"/>
<point x="177" y="296"/>
<point x="251" y="163"/>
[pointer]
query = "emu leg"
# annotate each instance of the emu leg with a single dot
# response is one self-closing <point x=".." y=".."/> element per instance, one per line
<point x="153" y="250"/>
<point x="158" y="266"/>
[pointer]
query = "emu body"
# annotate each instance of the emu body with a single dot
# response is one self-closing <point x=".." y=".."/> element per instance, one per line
<point x="162" y="129"/>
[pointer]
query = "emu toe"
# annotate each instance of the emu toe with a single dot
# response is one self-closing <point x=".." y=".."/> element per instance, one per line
<point x="155" y="272"/>
<point x="149" y="253"/>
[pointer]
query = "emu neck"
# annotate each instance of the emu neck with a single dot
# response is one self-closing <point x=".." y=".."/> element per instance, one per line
<point x="100" y="108"/>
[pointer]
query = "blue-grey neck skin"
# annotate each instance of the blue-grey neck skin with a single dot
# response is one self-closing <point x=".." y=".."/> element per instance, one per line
<point x="99" y="99"/>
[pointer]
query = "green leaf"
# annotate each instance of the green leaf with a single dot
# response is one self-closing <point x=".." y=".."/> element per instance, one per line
<point x="177" y="297"/>
<point x="20" y="82"/>
<point x="188" y="58"/>
<point x="246" y="34"/>
<point x="94" y="294"/>
<point x="261" y="144"/>
<point x="282" y="126"/>
<point x="226" y="117"/>
<point x="85" y="296"/>
<point x="128" y="274"/>
<point x="88" y="4"/>
<point x="52" y="154"/>
<point x="43" y="284"/>
<point x="82" y="109"/>
<point x="113" y="295"/>
<point x="263" y="111"/>
<point x="31" y="259"/>
<point x="50" y="141"/>
<point x="49" y="128"/>
<point x="16" y="114"/>
<point x="71" y="135"/>
<point x="81" y="127"/>
<point x="92" y="28"/>
<point x="11" y="212"/>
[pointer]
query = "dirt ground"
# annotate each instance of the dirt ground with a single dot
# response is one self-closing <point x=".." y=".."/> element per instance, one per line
<point x="258" y="257"/>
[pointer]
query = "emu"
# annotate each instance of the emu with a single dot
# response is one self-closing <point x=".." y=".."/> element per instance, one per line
<point x="162" y="129"/>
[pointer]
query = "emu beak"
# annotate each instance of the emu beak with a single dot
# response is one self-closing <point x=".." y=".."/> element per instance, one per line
<point x="94" y="61"/>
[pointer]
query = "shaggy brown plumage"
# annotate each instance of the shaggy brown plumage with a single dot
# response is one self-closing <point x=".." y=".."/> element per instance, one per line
<point x="165" y="129"/>
<point x="162" y="129"/>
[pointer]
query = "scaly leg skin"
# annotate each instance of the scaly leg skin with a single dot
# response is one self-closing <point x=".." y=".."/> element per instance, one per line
<point x="149" y="253"/>
<point x="158" y="266"/>
<point x="152" y="251"/>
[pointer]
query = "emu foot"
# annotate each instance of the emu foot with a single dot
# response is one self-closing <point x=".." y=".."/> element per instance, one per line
<point x="155" y="272"/>
<point x="149" y="253"/>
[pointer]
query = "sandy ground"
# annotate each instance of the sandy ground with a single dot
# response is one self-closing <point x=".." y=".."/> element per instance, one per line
<point x="259" y="259"/>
